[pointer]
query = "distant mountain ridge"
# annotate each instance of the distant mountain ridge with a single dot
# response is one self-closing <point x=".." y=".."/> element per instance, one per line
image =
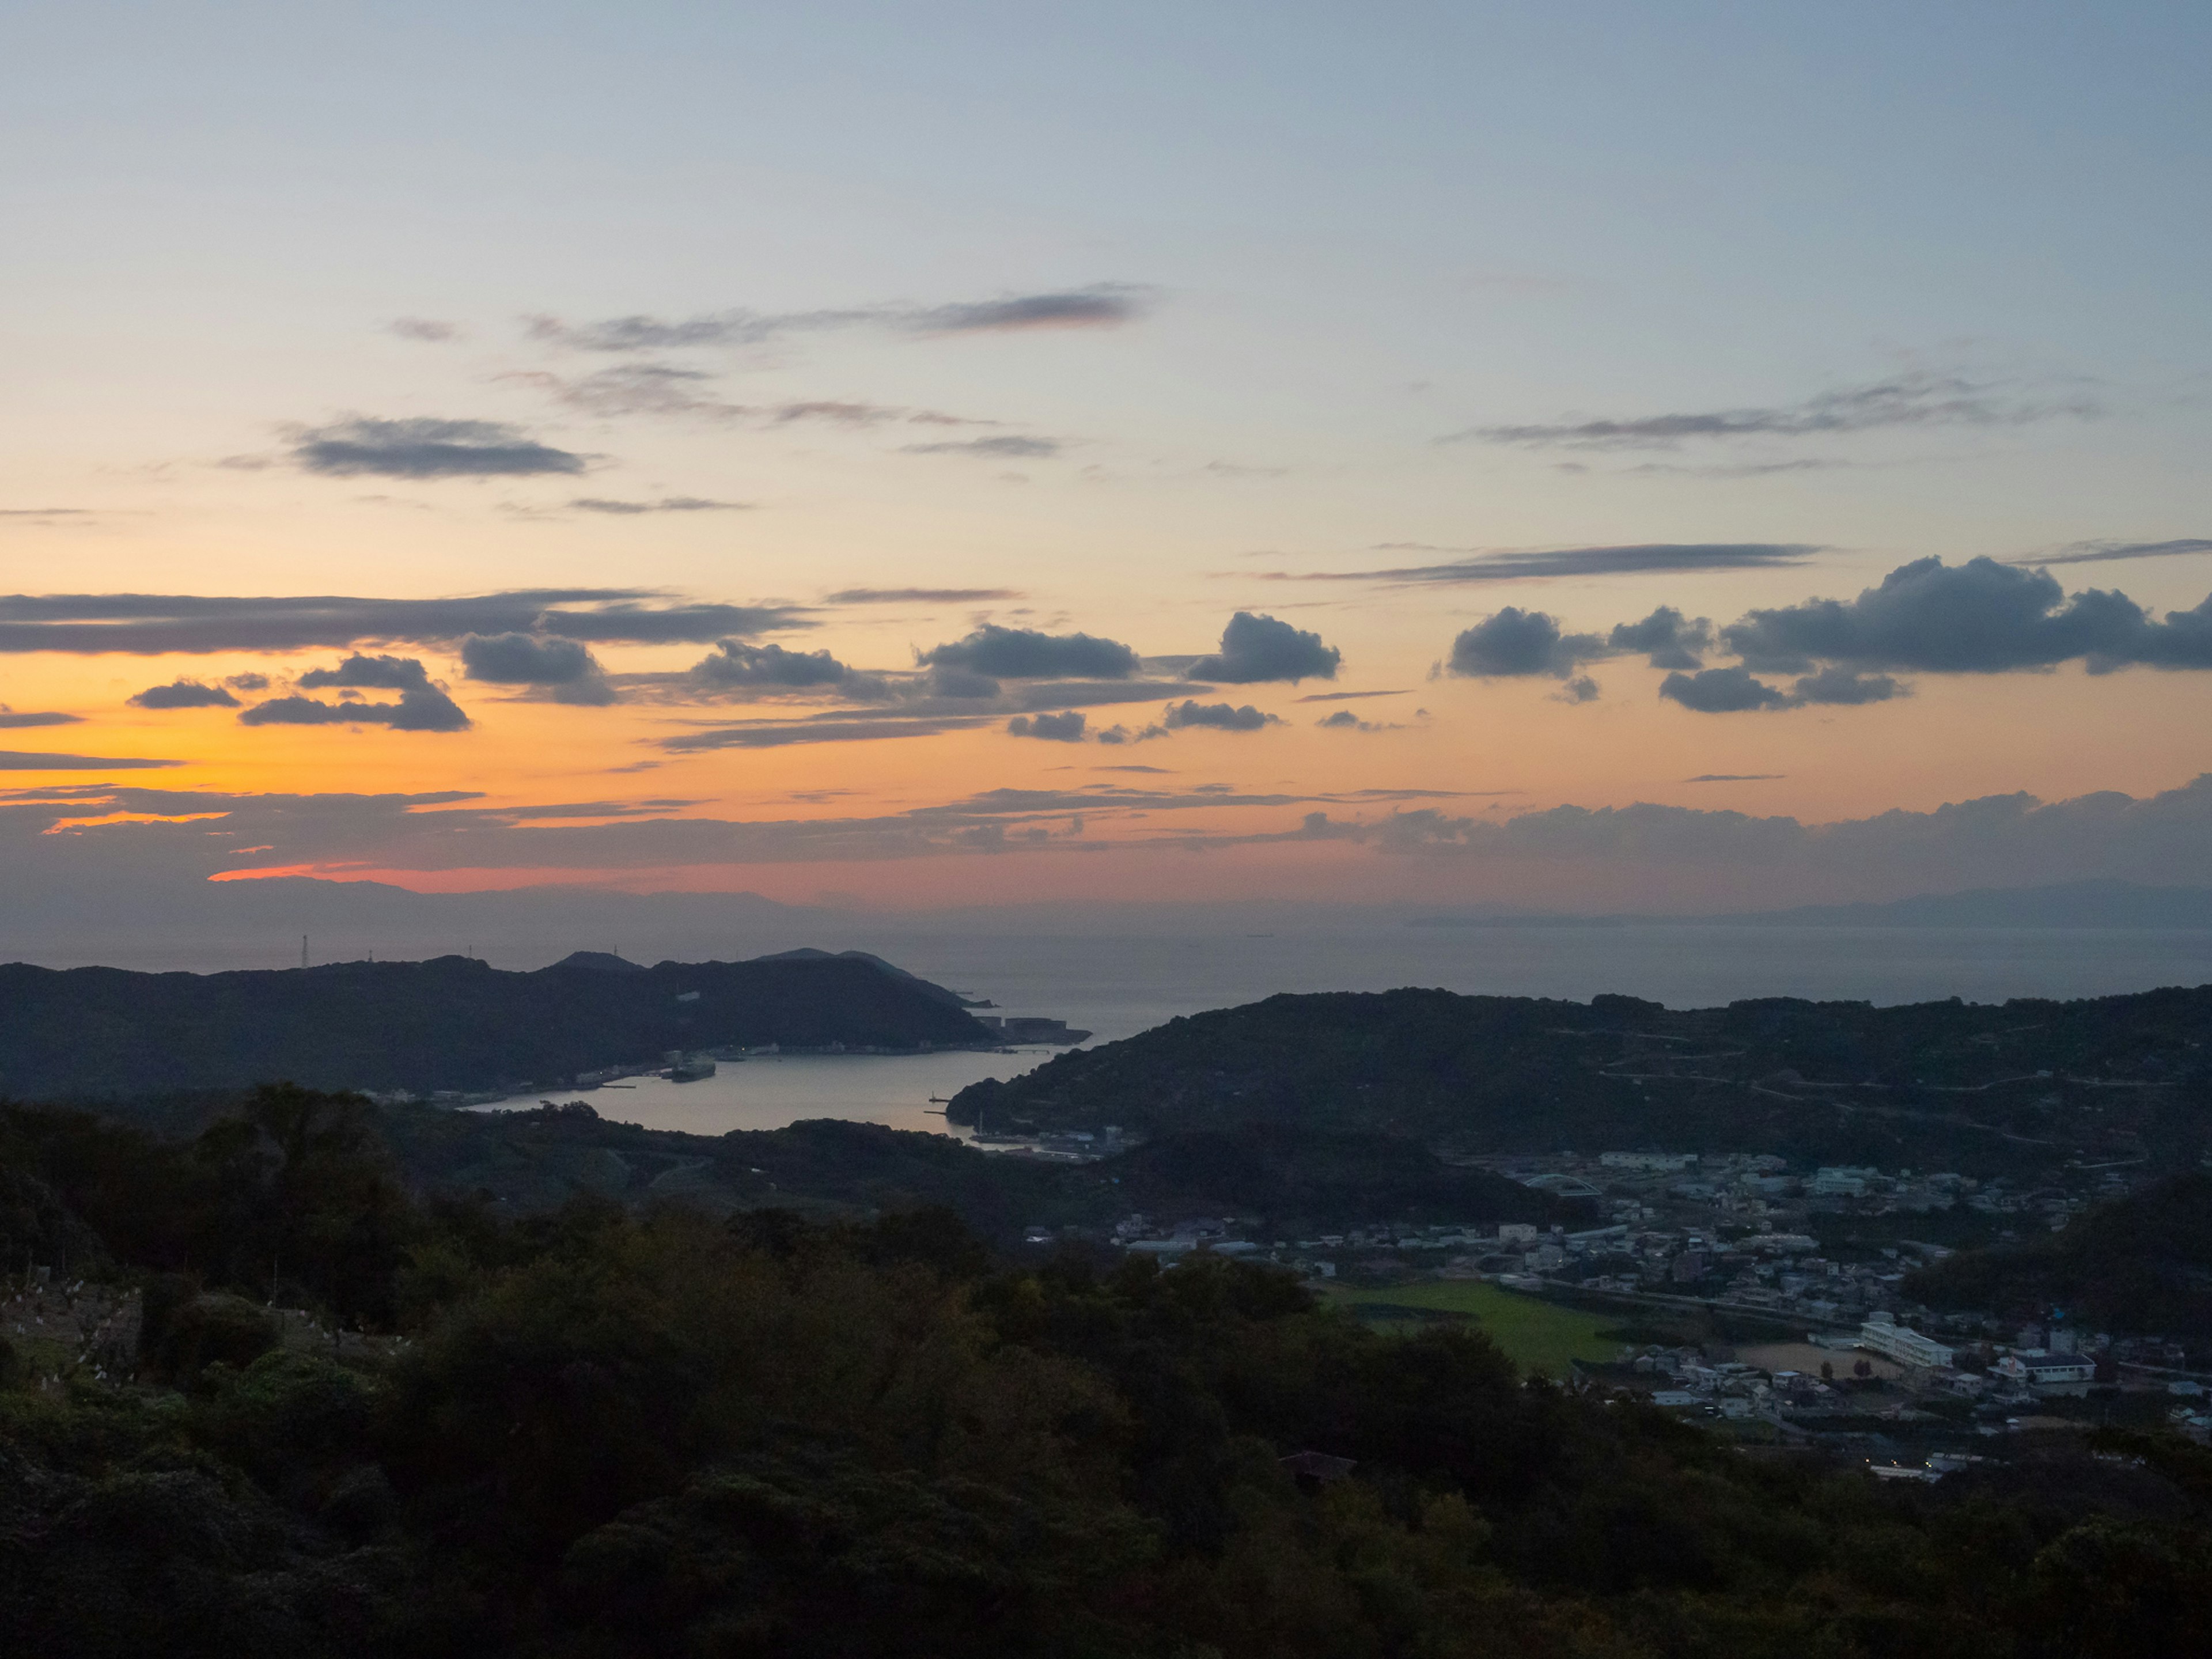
<point x="2102" y="903"/>
<point x="452" y="1022"/>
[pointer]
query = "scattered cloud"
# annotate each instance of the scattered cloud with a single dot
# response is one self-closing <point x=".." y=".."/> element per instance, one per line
<point x="1735" y="690"/>
<point x="1917" y="399"/>
<point x="1581" y="689"/>
<point x="1349" y="696"/>
<point x="1217" y="716"/>
<point x="1022" y="653"/>
<point x="429" y="330"/>
<point x="665" y="504"/>
<point x="733" y="665"/>
<point x="1667" y="638"/>
<point x="423" y="448"/>
<point x="1054" y="728"/>
<point x="423" y="707"/>
<point x="1514" y="642"/>
<point x="922" y="595"/>
<point x="1980" y="617"/>
<point x="12" y="722"/>
<point x="183" y="693"/>
<point x="1514" y="565"/>
<point x="565" y="669"/>
<point x="1103" y="304"/>
<point x="2102" y="552"/>
<point x="152" y="624"/>
<point x="248" y="681"/>
<point x="1260" y="648"/>
<point x="1344" y="721"/>
<point x="1009" y="447"/>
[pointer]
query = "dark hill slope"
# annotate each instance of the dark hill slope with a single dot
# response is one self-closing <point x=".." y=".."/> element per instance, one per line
<point x="2139" y="1264"/>
<point x="1945" y="1084"/>
<point x="450" y="1022"/>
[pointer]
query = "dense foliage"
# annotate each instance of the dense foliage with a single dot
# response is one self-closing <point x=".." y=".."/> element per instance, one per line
<point x="1948" y="1085"/>
<point x="614" y="1433"/>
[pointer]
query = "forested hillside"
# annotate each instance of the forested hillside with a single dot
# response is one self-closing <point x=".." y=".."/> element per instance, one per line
<point x="450" y="1024"/>
<point x="1947" y="1086"/>
<point x="598" y="1433"/>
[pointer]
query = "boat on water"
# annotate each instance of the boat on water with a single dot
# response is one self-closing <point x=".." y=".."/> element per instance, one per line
<point x="688" y="1068"/>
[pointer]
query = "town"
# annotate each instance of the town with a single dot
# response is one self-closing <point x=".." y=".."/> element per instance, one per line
<point x="1804" y="1270"/>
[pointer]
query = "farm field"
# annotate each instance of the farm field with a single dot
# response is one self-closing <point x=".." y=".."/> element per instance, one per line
<point x="1535" y="1335"/>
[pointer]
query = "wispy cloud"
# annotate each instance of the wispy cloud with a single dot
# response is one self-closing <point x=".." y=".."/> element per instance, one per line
<point x="2105" y="552"/>
<point x="1916" y="399"/>
<point x="429" y="330"/>
<point x="665" y="504"/>
<point x="922" y="595"/>
<point x="1009" y="448"/>
<point x="18" y="760"/>
<point x="1533" y="564"/>
<point x="1102" y="305"/>
<point x="420" y="448"/>
<point x="151" y="625"/>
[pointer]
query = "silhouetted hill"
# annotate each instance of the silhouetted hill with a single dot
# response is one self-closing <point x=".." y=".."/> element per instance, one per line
<point x="1947" y="1086"/>
<point x="450" y="1022"/>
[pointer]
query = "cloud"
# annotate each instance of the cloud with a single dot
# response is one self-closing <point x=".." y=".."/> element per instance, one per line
<point x="427" y="329"/>
<point x="422" y="706"/>
<point x="1105" y="305"/>
<point x="2102" y="552"/>
<point x="922" y="595"/>
<point x="1980" y="617"/>
<point x="1009" y="448"/>
<point x="1054" y="728"/>
<point x="1515" y="642"/>
<point x="1022" y="653"/>
<point x="1913" y="400"/>
<point x="1219" y="716"/>
<point x="1736" y="777"/>
<point x="1257" y="648"/>
<point x="565" y="667"/>
<point x="734" y="664"/>
<point x="183" y="694"/>
<point x="423" y="448"/>
<point x="665" y="504"/>
<point x="11" y="720"/>
<point x="1541" y="563"/>
<point x="1581" y="689"/>
<point x="248" y="681"/>
<point x="20" y="760"/>
<point x="1721" y="692"/>
<point x="1734" y="691"/>
<point x="152" y="624"/>
<point x="1347" y="696"/>
<point x="818" y="729"/>
<point x="1344" y="721"/>
<point x="1670" y="640"/>
<point x="1102" y="305"/>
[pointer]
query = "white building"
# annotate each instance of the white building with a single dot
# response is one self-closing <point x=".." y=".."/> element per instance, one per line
<point x="1886" y="1337"/>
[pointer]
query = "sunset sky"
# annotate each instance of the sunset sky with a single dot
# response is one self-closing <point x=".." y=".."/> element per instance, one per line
<point x="1575" y="455"/>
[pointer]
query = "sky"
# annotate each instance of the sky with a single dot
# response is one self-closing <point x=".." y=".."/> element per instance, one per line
<point x="1580" y="456"/>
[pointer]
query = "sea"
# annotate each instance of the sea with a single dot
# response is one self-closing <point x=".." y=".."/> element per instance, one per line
<point x="1116" y="987"/>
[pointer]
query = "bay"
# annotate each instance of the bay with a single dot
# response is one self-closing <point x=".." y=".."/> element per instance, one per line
<point x="1117" y="986"/>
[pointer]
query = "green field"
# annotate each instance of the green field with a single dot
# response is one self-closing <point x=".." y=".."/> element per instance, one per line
<point x="1535" y="1335"/>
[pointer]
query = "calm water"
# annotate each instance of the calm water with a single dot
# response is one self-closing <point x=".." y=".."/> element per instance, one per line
<point x="1117" y="986"/>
